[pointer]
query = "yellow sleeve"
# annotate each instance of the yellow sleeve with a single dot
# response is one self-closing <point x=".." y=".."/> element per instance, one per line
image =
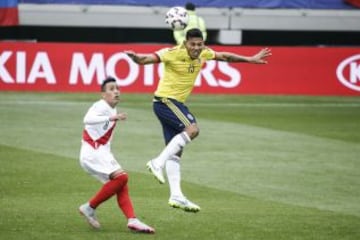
<point x="208" y="54"/>
<point x="162" y="54"/>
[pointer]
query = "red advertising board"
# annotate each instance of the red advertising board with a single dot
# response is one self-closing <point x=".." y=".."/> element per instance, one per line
<point x="81" y="68"/>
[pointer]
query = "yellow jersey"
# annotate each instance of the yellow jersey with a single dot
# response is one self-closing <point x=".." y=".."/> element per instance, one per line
<point x="180" y="71"/>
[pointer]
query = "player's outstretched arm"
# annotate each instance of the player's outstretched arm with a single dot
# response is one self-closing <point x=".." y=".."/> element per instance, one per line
<point x="258" y="58"/>
<point x="142" y="58"/>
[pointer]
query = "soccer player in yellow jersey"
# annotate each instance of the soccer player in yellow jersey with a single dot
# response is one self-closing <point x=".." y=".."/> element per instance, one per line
<point x="182" y="64"/>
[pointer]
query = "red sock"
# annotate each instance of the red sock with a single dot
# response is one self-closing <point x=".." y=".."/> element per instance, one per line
<point x="108" y="190"/>
<point x="125" y="203"/>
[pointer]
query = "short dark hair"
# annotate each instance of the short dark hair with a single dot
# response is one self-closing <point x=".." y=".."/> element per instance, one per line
<point x="194" y="32"/>
<point x="106" y="81"/>
<point x="190" y="6"/>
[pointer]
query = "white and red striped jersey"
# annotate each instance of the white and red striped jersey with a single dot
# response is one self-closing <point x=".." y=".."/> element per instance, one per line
<point x="98" y="127"/>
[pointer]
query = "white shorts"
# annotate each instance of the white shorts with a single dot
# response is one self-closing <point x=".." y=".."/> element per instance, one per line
<point x="99" y="162"/>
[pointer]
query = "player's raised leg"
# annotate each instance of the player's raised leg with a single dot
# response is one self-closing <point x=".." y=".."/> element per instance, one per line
<point x="174" y="146"/>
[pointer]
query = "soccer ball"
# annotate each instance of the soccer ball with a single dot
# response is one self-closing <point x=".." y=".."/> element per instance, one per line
<point x="177" y="18"/>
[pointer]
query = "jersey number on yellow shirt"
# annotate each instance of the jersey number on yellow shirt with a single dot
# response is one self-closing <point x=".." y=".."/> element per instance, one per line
<point x="191" y="68"/>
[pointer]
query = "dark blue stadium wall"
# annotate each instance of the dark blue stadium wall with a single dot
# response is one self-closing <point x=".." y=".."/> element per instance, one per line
<point x="310" y="4"/>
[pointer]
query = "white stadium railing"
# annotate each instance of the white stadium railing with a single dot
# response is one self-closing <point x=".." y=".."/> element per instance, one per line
<point x="229" y="22"/>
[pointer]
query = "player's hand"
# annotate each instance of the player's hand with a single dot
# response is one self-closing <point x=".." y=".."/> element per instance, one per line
<point x="131" y="54"/>
<point x="119" y="116"/>
<point x="259" y="58"/>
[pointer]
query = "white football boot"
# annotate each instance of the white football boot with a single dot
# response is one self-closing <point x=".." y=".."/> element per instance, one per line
<point x="184" y="204"/>
<point x="89" y="214"/>
<point x="136" y="225"/>
<point x="156" y="171"/>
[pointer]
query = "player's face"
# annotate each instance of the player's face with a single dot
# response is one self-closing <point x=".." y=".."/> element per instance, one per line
<point x="111" y="94"/>
<point x="194" y="47"/>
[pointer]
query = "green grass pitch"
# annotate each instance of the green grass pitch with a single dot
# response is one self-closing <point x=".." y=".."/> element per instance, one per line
<point x="263" y="167"/>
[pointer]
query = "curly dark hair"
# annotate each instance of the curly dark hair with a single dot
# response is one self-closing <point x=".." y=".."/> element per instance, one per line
<point x="194" y="32"/>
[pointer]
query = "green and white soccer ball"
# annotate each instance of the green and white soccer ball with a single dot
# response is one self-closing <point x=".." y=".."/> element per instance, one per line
<point x="177" y="18"/>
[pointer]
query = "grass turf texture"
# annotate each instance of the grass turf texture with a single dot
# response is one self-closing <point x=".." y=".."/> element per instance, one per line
<point x="263" y="168"/>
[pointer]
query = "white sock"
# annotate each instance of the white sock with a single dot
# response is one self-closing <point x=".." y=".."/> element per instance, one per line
<point x="172" y="148"/>
<point x="174" y="176"/>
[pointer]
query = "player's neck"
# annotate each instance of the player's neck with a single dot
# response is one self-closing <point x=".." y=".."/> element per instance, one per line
<point x="112" y="105"/>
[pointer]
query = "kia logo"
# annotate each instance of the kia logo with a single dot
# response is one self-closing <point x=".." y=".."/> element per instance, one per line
<point x="348" y="72"/>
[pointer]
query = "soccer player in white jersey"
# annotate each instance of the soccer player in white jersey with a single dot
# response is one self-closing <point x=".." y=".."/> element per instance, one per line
<point x="96" y="158"/>
<point x="182" y="64"/>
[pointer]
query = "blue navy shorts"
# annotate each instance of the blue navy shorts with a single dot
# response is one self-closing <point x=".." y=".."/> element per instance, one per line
<point x="174" y="116"/>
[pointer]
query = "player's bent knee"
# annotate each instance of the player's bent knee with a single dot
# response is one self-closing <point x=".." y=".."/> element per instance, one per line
<point x="119" y="179"/>
<point x="197" y="132"/>
<point x="194" y="134"/>
<point x="119" y="174"/>
<point x="193" y="131"/>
